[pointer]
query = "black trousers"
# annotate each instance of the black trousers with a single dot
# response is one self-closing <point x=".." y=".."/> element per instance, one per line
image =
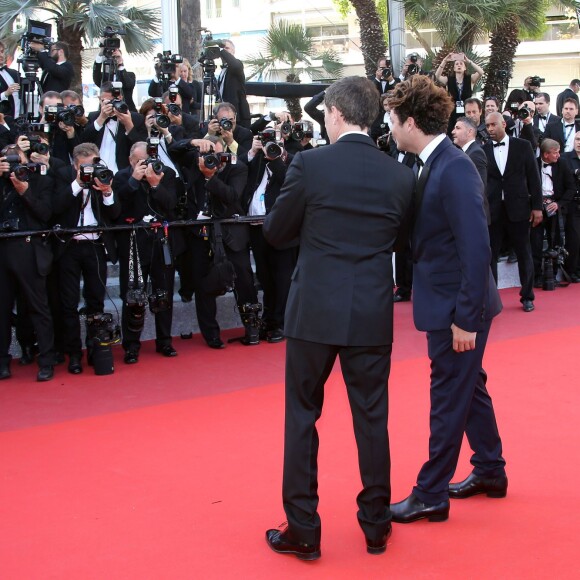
<point x="19" y="275"/>
<point x="274" y="270"/>
<point x="205" y="304"/>
<point x="460" y="404"/>
<point x="162" y="278"/>
<point x="572" y="230"/>
<point x="87" y="259"/>
<point x="404" y="272"/>
<point x="519" y="234"/>
<point x="366" y="374"/>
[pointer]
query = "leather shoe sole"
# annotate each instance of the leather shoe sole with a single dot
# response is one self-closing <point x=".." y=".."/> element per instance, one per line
<point x="474" y="485"/>
<point x="278" y="541"/>
<point x="413" y="509"/>
<point x="379" y="547"/>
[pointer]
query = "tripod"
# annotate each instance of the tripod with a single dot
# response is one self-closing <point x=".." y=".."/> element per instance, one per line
<point x="210" y="90"/>
<point x="109" y="68"/>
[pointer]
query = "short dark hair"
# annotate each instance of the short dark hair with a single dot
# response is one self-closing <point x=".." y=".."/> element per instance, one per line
<point x="85" y="150"/>
<point x="225" y="105"/>
<point x="575" y="82"/>
<point x="379" y="60"/>
<point x="570" y="100"/>
<point x="71" y="95"/>
<point x="107" y="87"/>
<point x="356" y="98"/>
<point x="62" y="45"/>
<point x="545" y="95"/>
<point x="469" y="122"/>
<point x="474" y="100"/>
<point x="548" y="145"/>
<point x="428" y="104"/>
<point x="49" y="95"/>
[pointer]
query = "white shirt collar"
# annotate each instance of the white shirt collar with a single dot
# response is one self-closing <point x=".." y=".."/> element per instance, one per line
<point x="353" y="133"/>
<point x="467" y="145"/>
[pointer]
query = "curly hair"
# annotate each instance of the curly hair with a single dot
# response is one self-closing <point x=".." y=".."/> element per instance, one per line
<point x="429" y="105"/>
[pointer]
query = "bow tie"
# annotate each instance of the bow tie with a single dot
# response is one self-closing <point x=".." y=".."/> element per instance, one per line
<point x="500" y="144"/>
<point x="545" y="117"/>
<point x="569" y="125"/>
<point x="3" y="67"/>
<point x="419" y="161"/>
<point x="544" y="165"/>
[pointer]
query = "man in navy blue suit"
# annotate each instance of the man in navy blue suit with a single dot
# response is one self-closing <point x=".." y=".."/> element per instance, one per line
<point x="455" y="299"/>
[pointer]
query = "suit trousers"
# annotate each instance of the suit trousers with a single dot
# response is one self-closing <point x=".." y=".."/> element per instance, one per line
<point x="87" y="259"/>
<point x="19" y="274"/>
<point x="519" y="234"/>
<point x="572" y="230"/>
<point x="404" y="272"/>
<point x="366" y="373"/>
<point x="459" y="403"/>
<point x="274" y="269"/>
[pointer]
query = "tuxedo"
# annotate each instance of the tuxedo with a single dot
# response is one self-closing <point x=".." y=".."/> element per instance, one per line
<point x="232" y="86"/>
<point x="567" y="93"/>
<point x="559" y="132"/>
<point x="123" y="76"/>
<point x="549" y="120"/>
<point x="55" y="77"/>
<point x="476" y="154"/>
<point x="512" y="195"/>
<point x="340" y="304"/>
<point x="572" y="225"/>
<point x="453" y="284"/>
<point x="7" y="106"/>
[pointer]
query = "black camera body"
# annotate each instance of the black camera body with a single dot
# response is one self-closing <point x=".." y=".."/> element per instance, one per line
<point x="296" y="131"/>
<point x="213" y="160"/>
<point x="102" y="327"/>
<point x="111" y="42"/>
<point x="537" y="81"/>
<point x="135" y="300"/>
<point x="35" y="32"/>
<point x="383" y="142"/>
<point x="161" y="119"/>
<point x="25" y="170"/>
<point x="159" y="301"/>
<point x="271" y="145"/>
<point x="55" y="114"/>
<point x="10" y="225"/>
<point x="91" y="171"/>
<point x="211" y="49"/>
<point x="387" y="71"/>
<point x="524" y="113"/>
<point x="37" y="145"/>
<point x="167" y="62"/>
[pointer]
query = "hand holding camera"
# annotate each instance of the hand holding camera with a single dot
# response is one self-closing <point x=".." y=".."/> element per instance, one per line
<point x="139" y="170"/>
<point x="152" y="177"/>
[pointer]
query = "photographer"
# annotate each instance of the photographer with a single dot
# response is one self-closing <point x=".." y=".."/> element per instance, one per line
<point x="178" y="117"/>
<point x="120" y="74"/>
<point x="113" y="128"/>
<point x="232" y="82"/>
<point x="145" y="193"/>
<point x="237" y="139"/>
<point x="564" y="131"/>
<point x="25" y="204"/>
<point x="520" y="123"/>
<point x="543" y="117"/>
<point x="311" y="109"/>
<point x="267" y="163"/>
<point x="58" y="72"/>
<point x="413" y="65"/>
<point x="380" y="130"/>
<point x="527" y="93"/>
<point x="384" y="79"/>
<point x="166" y="75"/>
<point x="9" y="87"/>
<point x="74" y="101"/>
<point x="88" y="202"/>
<point x="558" y="191"/>
<point x="572" y="228"/>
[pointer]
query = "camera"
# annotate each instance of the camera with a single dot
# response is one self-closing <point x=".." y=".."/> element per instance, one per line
<point x="386" y="71"/>
<point x="514" y="108"/>
<point x="100" y="326"/>
<point x="173" y="107"/>
<point x="537" y="81"/>
<point x="166" y="62"/>
<point x="55" y="114"/>
<point x="159" y="301"/>
<point x="37" y="145"/>
<point x="211" y="48"/>
<point x="153" y="155"/>
<point x="91" y="171"/>
<point x="161" y="119"/>
<point x="524" y="113"/>
<point x="271" y="145"/>
<point x="24" y="171"/>
<point x="413" y="68"/>
<point x="11" y="225"/>
<point x="296" y="131"/>
<point x="118" y="104"/>
<point x="135" y="300"/>
<point x="110" y="41"/>
<point x="213" y="160"/>
<point x="383" y="142"/>
<point x="35" y="32"/>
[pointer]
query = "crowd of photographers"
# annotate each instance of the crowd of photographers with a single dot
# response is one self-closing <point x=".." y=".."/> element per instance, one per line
<point x="79" y="173"/>
<point x="529" y="160"/>
<point x="148" y="168"/>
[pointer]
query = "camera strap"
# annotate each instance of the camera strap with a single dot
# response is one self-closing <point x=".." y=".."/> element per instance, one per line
<point x="218" y="243"/>
<point x="135" y="273"/>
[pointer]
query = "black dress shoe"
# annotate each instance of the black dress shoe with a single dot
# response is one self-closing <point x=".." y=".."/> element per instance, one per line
<point x="512" y="258"/>
<point x="45" y="374"/>
<point x="379" y="546"/>
<point x="413" y="509"/>
<point x="475" y="484"/>
<point x="528" y="305"/>
<point x="131" y="357"/>
<point x="215" y="343"/>
<point x="27" y="356"/>
<point x="574" y="279"/>
<point x="401" y="298"/>
<point x="166" y="350"/>
<point x="5" y="372"/>
<point x="280" y="543"/>
<point x="74" y="365"/>
<point x="275" y="335"/>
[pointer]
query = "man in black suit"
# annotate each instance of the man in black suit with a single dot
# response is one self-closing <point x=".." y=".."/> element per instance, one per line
<point x="9" y="87"/>
<point x="232" y="83"/>
<point x="188" y="122"/>
<point x="57" y="71"/>
<point x="384" y="79"/>
<point x="564" y="131"/>
<point x="340" y="304"/>
<point x="543" y="117"/>
<point x="113" y="131"/>
<point x="527" y="93"/>
<point x="120" y="74"/>
<point x="83" y="254"/>
<point x="238" y="139"/>
<point x="558" y="191"/>
<point x="514" y="192"/>
<point x="455" y="300"/>
<point x="571" y="92"/>
<point x="465" y="136"/>
<point x="572" y="159"/>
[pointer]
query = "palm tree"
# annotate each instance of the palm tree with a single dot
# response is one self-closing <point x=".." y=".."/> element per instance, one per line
<point x="290" y="45"/>
<point x="80" y="22"/>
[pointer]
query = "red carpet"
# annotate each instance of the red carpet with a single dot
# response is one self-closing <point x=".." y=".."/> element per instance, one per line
<point x="172" y="468"/>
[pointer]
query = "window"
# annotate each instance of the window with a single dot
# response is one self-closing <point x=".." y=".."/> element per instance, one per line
<point x="213" y="8"/>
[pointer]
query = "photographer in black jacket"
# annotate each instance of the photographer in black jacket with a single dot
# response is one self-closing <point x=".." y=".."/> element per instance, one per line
<point x="57" y="71"/>
<point x="122" y="75"/>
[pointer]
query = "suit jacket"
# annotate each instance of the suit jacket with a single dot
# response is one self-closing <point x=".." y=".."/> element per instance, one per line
<point x="520" y="182"/>
<point x="551" y="119"/>
<point x="7" y="105"/>
<point x="234" y="88"/>
<point x="452" y="279"/>
<point x="556" y="131"/>
<point x="476" y="154"/>
<point x="123" y="141"/>
<point x="55" y="77"/>
<point x="563" y="182"/>
<point x="567" y="93"/>
<point x="126" y="78"/>
<point x="347" y="222"/>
